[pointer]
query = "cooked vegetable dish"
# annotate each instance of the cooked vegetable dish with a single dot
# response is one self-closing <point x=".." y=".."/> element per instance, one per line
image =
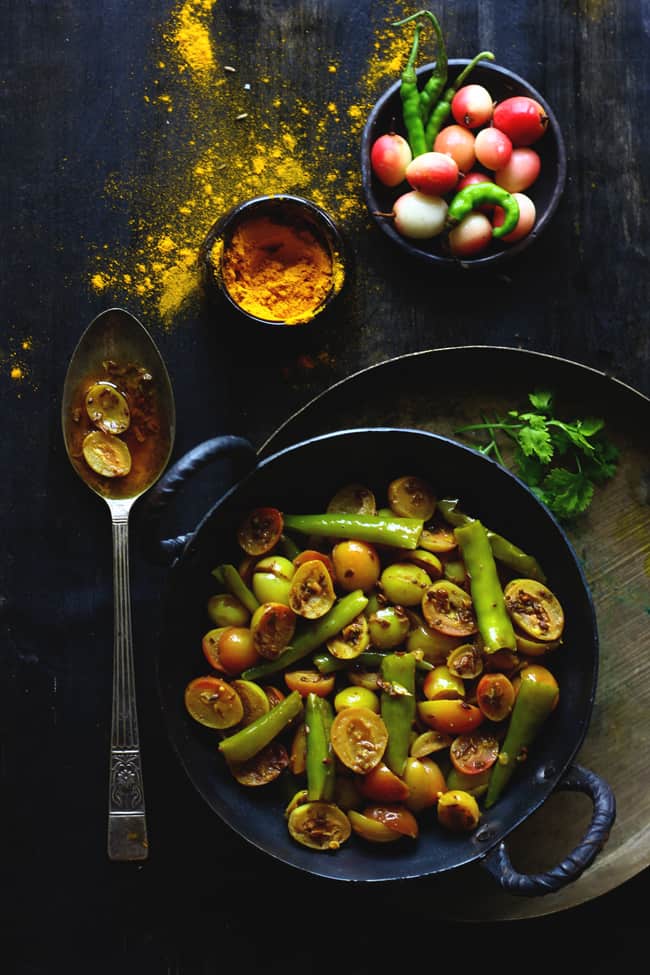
<point x="386" y="661"/>
<point x="116" y="438"/>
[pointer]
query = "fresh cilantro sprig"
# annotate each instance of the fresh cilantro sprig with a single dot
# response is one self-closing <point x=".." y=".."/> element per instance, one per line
<point x="561" y="461"/>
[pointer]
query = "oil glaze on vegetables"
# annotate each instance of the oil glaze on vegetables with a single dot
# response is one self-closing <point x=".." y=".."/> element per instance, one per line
<point x="390" y="671"/>
<point x="116" y="438"/>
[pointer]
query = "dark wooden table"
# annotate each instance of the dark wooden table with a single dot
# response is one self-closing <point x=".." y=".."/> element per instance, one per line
<point x="125" y="134"/>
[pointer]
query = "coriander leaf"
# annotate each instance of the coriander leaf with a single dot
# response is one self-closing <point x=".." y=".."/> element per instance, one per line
<point x="540" y="439"/>
<point x="590" y="425"/>
<point x="534" y="438"/>
<point x="535" y="419"/>
<point x="560" y="439"/>
<point x="604" y="463"/>
<point x="542" y="400"/>
<point x="578" y="440"/>
<point x="530" y="469"/>
<point x="567" y="494"/>
<point x="575" y="435"/>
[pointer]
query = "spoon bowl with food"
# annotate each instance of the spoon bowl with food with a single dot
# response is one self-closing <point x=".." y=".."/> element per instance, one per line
<point x="118" y="419"/>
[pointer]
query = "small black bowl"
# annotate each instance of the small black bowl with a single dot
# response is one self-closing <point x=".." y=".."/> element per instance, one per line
<point x="386" y="116"/>
<point x="292" y="210"/>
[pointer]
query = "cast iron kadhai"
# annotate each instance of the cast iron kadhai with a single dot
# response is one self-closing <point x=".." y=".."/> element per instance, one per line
<point x="445" y="389"/>
<point x="500" y="500"/>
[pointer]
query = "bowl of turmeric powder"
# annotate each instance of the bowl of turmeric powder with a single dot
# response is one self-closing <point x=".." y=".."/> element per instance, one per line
<point x="278" y="260"/>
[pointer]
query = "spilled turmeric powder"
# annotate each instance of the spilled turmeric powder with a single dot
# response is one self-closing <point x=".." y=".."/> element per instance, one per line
<point x="276" y="271"/>
<point x="190" y="33"/>
<point x="221" y="149"/>
<point x="14" y="358"/>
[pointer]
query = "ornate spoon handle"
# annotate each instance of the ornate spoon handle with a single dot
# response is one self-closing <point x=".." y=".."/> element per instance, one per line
<point x="127" y="825"/>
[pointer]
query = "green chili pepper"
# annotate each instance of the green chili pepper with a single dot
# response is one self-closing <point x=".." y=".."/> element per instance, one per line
<point x="438" y="78"/>
<point x="410" y="97"/>
<point x="442" y="110"/>
<point x="341" y="614"/>
<point x="454" y="571"/>
<point x="254" y="737"/>
<point x="475" y="196"/>
<point x="218" y="575"/>
<point x="236" y="586"/>
<point x="289" y="547"/>
<point x="398" y="707"/>
<point x="534" y="703"/>
<point x="450" y="511"/>
<point x="377" y="529"/>
<point x="526" y="566"/>
<point x="492" y="618"/>
<point x="320" y="765"/>
<point x="326" y="663"/>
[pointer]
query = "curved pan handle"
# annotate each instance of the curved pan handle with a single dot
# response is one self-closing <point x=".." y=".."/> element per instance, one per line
<point x="165" y="551"/>
<point x="575" y="779"/>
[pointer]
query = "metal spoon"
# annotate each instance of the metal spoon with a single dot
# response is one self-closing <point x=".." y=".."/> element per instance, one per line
<point x="118" y="352"/>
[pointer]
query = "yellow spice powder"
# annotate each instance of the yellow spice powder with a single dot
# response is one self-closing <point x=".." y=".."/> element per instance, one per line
<point x="14" y="362"/>
<point x="221" y="150"/>
<point x="190" y="33"/>
<point x="276" y="271"/>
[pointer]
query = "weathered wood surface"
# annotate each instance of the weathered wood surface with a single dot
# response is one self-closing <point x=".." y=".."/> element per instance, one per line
<point x="89" y="154"/>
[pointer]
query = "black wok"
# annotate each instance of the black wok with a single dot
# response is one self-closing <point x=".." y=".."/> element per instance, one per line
<point x="301" y="478"/>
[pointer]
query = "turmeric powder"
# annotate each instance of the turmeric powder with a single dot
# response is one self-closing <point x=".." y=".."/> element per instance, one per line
<point x="288" y="148"/>
<point x="277" y="271"/>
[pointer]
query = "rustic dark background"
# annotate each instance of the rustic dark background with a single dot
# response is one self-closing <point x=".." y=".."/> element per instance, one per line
<point x="73" y="116"/>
